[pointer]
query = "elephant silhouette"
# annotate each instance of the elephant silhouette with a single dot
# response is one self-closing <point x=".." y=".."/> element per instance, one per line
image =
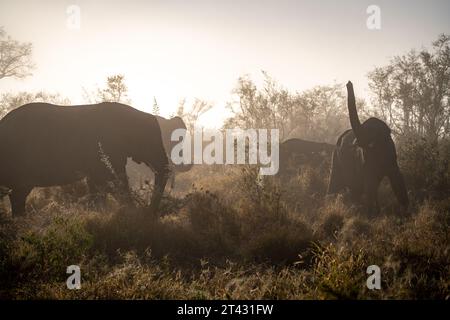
<point x="46" y="145"/>
<point x="298" y="152"/>
<point x="363" y="156"/>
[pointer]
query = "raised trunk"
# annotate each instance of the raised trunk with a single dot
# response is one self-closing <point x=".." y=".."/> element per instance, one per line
<point x="353" y="114"/>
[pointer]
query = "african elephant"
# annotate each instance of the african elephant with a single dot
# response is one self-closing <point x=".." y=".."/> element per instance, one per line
<point x="46" y="145"/>
<point x="297" y="152"/>
<point x="363" y="156"/>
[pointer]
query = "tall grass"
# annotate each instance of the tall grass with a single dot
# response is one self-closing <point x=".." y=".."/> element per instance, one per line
<point x="228" y="234"/>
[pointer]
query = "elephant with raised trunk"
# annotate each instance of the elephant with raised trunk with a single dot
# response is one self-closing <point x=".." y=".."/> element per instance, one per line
<point x="363" y="156"/>
<point x="46" y="145"/>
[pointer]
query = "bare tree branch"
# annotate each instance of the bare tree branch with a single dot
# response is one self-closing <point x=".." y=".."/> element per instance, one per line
<point x="15" y="57"/>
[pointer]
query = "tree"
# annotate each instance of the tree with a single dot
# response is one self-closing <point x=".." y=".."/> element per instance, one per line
<point x="269" y="107"/>
<point x="155" y="108"/>
<point x="411" y="93"/>
<point x="322" y="114"/>
<point x="15" y="57"/>
<point x="10" y="101"/>
<point x="115" y="91"/>
<point x="180" y="109"/>
<point x="317" y="114"/>
<point x="191" y="117"/>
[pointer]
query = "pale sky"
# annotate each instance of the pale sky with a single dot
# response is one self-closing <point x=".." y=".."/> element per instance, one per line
<point x="174" y="49"/>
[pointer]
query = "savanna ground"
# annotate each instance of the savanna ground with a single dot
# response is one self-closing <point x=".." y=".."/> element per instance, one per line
<point x="224" y="234"/>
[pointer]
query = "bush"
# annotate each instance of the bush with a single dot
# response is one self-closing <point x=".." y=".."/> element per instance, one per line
<point x="215" y="225"/>
<point x="426" y="167"/>
<point x="252" y="238"/>
<point x="42" y="255"/>
<point x="330" y="219"/>
<point x="339" y="273"/>
<point x="132" y="229"/>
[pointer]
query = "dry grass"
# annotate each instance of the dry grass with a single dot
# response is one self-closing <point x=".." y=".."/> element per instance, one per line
<point x="227" y="235"/>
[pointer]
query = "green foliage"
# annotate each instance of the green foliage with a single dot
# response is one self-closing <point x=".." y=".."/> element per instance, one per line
<point x="339" y="273"/>
<point x="42" y="254"/>
<point x="63" y="243"/>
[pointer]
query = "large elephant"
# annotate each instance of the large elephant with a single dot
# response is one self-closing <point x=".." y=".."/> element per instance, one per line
<point x="364" y="155"/>
<point x="295" y="153"/>
<point x="46" y="145"/>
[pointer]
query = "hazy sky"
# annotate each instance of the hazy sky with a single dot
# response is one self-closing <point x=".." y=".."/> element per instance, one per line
<point x="191" y="48"/>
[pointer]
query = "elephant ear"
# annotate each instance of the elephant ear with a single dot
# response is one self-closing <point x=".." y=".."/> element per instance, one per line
<point x="353" y="113"/>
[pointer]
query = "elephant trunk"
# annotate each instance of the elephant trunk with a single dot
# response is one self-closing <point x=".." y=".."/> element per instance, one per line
<point x="353" y="114"/>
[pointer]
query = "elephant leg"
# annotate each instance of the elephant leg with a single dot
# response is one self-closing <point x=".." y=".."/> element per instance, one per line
<point x="123" y="178"/>
<point x="172" y="180"/>
<point x="160" y="184"/>
<point x="121" y="187"/>
<point x="123" y="191"/>
<point x="336" y="183"/>
<point x="18" y="198"/>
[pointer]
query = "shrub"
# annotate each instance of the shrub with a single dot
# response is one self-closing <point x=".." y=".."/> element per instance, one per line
<point x="214" y="224"/>
<point x="43" y="255"/>
<point x="339" y="273"/>
<point x="330" y="218"/>
<point x="426" y="167"/>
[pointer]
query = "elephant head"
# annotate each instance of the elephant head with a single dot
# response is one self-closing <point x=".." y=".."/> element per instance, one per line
<point x="167" y="127"/>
